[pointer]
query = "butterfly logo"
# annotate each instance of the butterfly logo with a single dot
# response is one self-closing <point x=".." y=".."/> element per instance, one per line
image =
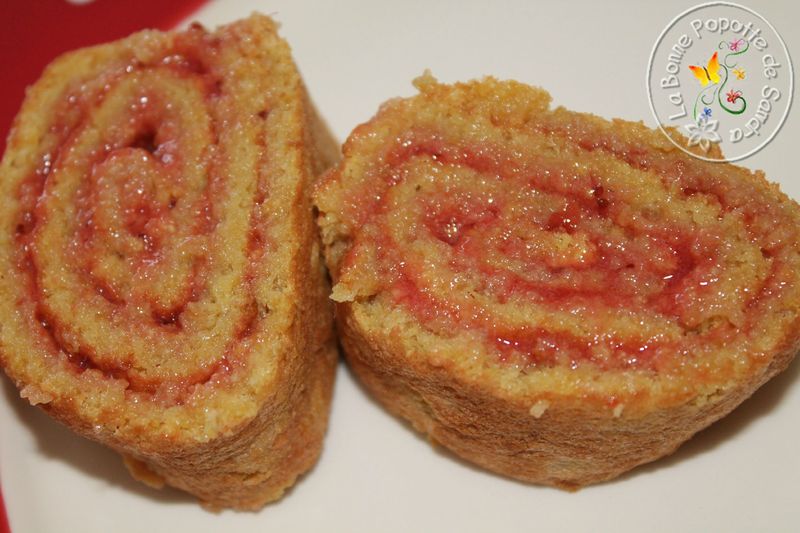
<point x="709" y="73"/>
<point x="713" y="79"/>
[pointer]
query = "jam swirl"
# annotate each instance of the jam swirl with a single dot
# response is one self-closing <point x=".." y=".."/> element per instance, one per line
<point x="119" y="233"/>
<point x="562" y="240"/>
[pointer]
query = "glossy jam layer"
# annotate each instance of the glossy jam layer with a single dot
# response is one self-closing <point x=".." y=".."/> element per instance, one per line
<point x="118" y="230"/>
<point x="563" y="242"/>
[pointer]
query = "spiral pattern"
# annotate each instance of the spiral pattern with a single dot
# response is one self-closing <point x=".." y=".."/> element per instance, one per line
<point x="559" y="239"/>
<point x="140" y="232"/>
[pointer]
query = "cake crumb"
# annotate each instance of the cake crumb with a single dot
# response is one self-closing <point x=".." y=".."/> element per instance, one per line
<point x="35" y="395"/>
<point x="141" y="471"/>
<point x="539" y="408"/>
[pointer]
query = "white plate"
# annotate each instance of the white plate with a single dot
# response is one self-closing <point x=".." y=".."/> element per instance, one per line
<point x="375" y="474"/>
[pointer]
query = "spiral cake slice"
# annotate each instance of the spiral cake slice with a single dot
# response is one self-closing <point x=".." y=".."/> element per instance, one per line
<point x="553" y="296"/>
<point x="162" y="288"/>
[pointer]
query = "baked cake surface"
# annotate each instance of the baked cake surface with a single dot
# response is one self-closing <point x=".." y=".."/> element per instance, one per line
<point x="551" y="295"/>
<point x="162" y="290"/>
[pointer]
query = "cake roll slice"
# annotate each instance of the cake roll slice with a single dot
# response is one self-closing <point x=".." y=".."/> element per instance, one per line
<point x="162" y="288"/>
<point x="552" y="296"/>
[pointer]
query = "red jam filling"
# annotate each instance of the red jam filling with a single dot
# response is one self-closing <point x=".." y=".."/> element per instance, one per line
<point x="142" y="227"/>
<point x="614" y="257"/>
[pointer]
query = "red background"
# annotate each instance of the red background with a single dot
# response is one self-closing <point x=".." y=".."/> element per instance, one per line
<point x="33" y="32"/>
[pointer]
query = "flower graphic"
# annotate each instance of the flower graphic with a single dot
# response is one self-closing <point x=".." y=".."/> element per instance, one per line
<point x="733" y="46"/>
<point x="703" y="134"/>
<point x="705" y="115"/>
<point x="739" y="73"/>
<point x="733" y="96"/>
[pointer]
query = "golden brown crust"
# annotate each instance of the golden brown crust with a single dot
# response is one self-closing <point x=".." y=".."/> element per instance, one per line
<point x="249" y="412"/>
<point x="428" y="335"/>
<point x="565" y="447"/>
